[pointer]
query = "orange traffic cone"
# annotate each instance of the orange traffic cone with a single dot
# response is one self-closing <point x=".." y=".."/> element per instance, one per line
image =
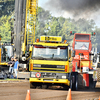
<point x="69" y="95"/>
<point x="99" y="97"/>
<point x="28" y="97"/>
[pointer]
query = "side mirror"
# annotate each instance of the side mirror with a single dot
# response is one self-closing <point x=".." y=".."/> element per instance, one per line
<point x="73" y="53"/>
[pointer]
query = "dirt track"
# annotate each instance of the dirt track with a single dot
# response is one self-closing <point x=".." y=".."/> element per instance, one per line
<point x="18" y="91"/>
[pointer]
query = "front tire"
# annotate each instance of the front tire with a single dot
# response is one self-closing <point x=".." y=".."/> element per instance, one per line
<point x="74" y="81"/>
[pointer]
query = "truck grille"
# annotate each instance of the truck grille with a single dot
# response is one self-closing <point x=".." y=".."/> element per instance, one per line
<point x="49" y="68"/>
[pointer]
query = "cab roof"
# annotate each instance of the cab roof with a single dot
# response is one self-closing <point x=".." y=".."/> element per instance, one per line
<point x="51" y="44"/>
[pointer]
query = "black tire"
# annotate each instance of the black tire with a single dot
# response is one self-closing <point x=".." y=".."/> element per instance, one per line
<point x="32" y="85"/>
<point x="74" y="81"/>
<point x="91" y="82"/>
<point x="71" y="83"/>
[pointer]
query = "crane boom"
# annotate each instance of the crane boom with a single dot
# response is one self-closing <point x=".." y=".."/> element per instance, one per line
<point x="24" y="27"/>
<point x="30" y="23"/>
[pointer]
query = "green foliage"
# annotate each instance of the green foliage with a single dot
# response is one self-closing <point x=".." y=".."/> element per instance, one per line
<point x="47" y="24"/>
<point x="6" y="24"/>
<point x="59" y="26"/>
<point x="6" y="7"/>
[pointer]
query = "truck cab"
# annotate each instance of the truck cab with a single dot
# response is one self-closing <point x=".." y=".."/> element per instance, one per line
<point x="6" y="52"/>
<point x="82" y="47"/>
<point x="82" y="58"/>
<point x="50" y="62"/>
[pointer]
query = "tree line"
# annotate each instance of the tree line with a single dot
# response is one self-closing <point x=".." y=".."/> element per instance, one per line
<point x="47" y="24"/>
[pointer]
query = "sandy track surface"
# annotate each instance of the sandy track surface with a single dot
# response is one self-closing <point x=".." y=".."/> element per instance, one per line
<point x="18" y="91"/>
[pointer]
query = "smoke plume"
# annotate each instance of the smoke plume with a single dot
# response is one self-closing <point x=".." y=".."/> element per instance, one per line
<point x="75" y="7"/>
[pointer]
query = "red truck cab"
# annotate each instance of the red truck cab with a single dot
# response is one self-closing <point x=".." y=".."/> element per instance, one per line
<point x="82" y="55"/>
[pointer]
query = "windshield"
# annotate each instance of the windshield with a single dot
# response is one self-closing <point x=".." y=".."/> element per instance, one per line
<point x="7" y="53"/>
<point x="82" y="37"/>
<point x="82" y="45"/>
<point x="60" y="53"/>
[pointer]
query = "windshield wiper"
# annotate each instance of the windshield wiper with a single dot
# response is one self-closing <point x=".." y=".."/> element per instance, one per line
<point x="57" y="58"/>
<point x="39" y="57"/>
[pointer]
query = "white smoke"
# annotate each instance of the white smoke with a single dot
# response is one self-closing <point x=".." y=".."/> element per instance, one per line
<point x="88" y="9"/>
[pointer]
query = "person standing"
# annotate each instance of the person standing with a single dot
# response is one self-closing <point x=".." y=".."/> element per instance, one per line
<point x="11" y="64"/>
<point x="16" y="66"/>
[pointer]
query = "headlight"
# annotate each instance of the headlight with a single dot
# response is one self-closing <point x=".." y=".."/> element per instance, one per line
<point x="85" y="69"/>
<point x="64" y="77"/>
<point x="32" y="74"/>
<point x="36" y="65"/>
<point x="60" y="66"/>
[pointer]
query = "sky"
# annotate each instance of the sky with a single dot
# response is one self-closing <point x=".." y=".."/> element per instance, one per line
<point x="88" y="9"/>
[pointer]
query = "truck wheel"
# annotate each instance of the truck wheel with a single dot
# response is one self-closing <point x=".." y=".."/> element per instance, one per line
<point x="74" y="82"/>
<point x="91" y="82"/>
<point x="71" y="83"/>
<point x="32" y="85"/>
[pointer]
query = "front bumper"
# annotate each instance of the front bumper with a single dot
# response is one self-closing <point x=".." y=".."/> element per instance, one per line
<point x="43" y="80"/>
<point x="46" y="77"/>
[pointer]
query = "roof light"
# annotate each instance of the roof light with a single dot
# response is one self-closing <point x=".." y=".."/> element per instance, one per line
<point x="65" y="41"/>
<point x="0" y="37"/>
<point x="51" y="38"/>
<point x="37" y="40"/>
<point x="80" y="53"/>
<point x="72" y="32"/>
<point x="93" y="33"/>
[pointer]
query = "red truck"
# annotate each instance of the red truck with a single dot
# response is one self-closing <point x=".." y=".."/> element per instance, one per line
<point x="82" y="71"/>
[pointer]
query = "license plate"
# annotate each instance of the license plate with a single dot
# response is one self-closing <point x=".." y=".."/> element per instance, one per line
<point x="47" y="80"/>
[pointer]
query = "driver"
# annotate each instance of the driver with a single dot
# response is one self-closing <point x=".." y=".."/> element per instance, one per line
<point x="83" y="46"/>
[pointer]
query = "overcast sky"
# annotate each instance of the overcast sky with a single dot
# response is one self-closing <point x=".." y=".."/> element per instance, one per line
<point x="88" y="9"/>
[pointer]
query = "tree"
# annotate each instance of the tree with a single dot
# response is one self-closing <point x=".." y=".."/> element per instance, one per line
<point x="46" y="24"/>
<point x="6" y="7"/>
<point x="6" y="28"/>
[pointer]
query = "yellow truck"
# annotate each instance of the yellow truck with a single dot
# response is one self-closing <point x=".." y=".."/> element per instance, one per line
<point x="6" y="52"/>
<point x="50" y="63"/>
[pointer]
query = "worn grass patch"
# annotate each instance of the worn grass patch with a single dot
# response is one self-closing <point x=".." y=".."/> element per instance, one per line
<point x="8" y="79"/>
<point x="12" y="80"/>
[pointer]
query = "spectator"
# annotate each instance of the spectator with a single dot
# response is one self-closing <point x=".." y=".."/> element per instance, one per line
<point x="16" y="66"/>
<point x="11" y="64"/>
